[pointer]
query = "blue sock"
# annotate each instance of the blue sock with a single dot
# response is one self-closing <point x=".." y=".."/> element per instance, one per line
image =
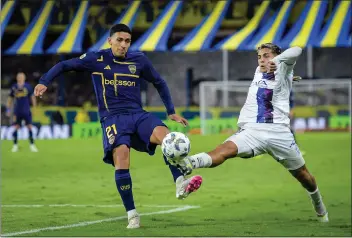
<point x="175" y="171"/>
<point x="124" y="186"/>
<point x="15" y="137"/>
<point x="31" y="137"/>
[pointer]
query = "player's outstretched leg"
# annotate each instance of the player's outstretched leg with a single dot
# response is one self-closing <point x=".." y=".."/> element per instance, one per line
<point x="32" y="146"/>
<point x="15" y="139"/>
<point x="209" y="160"/>
<point x="184" y="186"/>
<point x="308" y="182"/>
<point x="121" y="156"/>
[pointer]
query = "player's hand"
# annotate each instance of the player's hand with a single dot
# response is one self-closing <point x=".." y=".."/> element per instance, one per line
<point x="296" y="78"/>
<point x="271" y="67"/>
<point x="39" y="90"/>
<point x="178" y="119"/>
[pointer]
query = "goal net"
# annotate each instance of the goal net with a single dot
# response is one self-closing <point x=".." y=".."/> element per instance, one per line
<point x="319" y="105"/>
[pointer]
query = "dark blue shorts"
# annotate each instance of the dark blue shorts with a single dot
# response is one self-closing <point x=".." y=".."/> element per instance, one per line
<point x="26" y="117"/>
<point x="133" y="130"/>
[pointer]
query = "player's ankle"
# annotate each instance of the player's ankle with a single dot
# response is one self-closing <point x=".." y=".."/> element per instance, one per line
<point x="201" y="160"/>
<point x="132" y="213"/>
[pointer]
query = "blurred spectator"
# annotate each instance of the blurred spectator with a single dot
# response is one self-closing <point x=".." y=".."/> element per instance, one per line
<point x="82" y="115"/>
<point x="5" y="120"/>
<point x="56" y="118"/>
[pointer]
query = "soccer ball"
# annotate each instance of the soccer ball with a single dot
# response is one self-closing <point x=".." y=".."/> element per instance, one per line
<point x="175" y="146"/>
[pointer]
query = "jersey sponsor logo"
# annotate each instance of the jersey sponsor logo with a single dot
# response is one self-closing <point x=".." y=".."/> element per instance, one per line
<point x="132" y="69"/>
<point x="119" y="82"/>
<point x="107" y="67"/>
<point x="21" y="93"/>
<point x="261" y="84"/>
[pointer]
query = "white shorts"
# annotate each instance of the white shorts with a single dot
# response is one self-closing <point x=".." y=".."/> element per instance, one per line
<point x="277" y="140"/>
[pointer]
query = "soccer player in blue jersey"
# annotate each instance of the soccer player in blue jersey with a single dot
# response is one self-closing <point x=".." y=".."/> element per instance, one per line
<point x="19" y="104"/>
<point x="117" y="75"/>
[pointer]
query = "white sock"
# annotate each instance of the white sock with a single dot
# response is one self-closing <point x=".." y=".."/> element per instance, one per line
<point x="132" y="213"/>
<point x="317" y="202"/>
<point x="315" y="196"/>
<point x="201" y="160"/>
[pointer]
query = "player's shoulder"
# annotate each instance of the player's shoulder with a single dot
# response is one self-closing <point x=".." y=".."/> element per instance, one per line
<point x="90" y="55"/>
<point x="14" y="86"/>
<point x="136" y="56"/>
<point x="27" y="85"/>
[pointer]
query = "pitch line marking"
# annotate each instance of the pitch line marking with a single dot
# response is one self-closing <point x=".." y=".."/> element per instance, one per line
<point x="87" y="223"/>
<point x="79" y="205"/>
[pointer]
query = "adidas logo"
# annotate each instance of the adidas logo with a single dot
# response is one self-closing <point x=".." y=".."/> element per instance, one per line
<point x="107" y="67"/>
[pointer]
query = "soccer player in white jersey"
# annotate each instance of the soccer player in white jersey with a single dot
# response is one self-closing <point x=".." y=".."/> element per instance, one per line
<point x="265" y="125"/>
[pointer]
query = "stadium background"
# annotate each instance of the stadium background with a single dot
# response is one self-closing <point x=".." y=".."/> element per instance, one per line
<point x="185" y="41"/>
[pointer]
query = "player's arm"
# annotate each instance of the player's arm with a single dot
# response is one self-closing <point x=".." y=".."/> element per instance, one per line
<point x="289" y="56"/>
<point x="149" y="73"/>
<point x="34" y="101"/>
<point x="82" y="63"/>
<point x="9" y="106"/>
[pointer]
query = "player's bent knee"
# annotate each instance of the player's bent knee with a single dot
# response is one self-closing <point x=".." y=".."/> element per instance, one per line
<point x="159" y="134"/>
<point x="302" y="175"/>
<point x="225" y="151"/>
<point x="121" y="156"/>
<point x="300" y="172"/>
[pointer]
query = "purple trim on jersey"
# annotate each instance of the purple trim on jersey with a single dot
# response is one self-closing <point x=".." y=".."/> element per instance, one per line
<point x="269" y="76"/>
<point x="265" y="107"/>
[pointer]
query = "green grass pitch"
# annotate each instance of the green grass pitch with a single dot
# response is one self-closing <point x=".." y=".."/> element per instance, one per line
<point x="254" y="197"/>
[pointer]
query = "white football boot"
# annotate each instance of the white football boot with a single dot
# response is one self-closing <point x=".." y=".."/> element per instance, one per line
<point x="321" y="211"/>
<point x="134" y="220"/>
<point x="323" y="218"/>
<point x="14" y="148"/>
<point x="33" y="148"/>
<point x="184" y="186"/>
<point x="185" y="166"/>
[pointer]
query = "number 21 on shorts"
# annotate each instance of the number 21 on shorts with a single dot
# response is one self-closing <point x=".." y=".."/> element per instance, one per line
<point x="111" y="132"/>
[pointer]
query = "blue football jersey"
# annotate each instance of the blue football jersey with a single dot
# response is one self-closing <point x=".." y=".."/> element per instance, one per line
<point x="22" y="96"/>
<point x="117" y="81"/>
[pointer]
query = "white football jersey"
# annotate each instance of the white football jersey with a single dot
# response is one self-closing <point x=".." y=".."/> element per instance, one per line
<point x="268" y="96"/>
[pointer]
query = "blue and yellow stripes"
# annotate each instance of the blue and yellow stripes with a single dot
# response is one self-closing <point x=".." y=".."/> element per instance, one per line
<point x="157" y="35"/>
<point x="201" y="37"/>
<point x="6" y="13"/>
<point x="31" y="41"/>
<point x="239" y="39"/>
<point x="336" y="31"/>
<point x="273" y="30"/>
<point x="128" y="18"/>
<point x="71" y="40"/>
<point x="306" y="29"/>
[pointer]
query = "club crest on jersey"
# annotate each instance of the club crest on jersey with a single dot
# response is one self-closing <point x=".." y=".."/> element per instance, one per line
<point x="111" y="140"/>
<point x="132" y="69"/>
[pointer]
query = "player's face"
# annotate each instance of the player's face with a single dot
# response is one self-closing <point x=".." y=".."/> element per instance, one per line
<point x="120" y="42"/>
<point x="264" y="56"/>
<point x="20" y="77"/>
